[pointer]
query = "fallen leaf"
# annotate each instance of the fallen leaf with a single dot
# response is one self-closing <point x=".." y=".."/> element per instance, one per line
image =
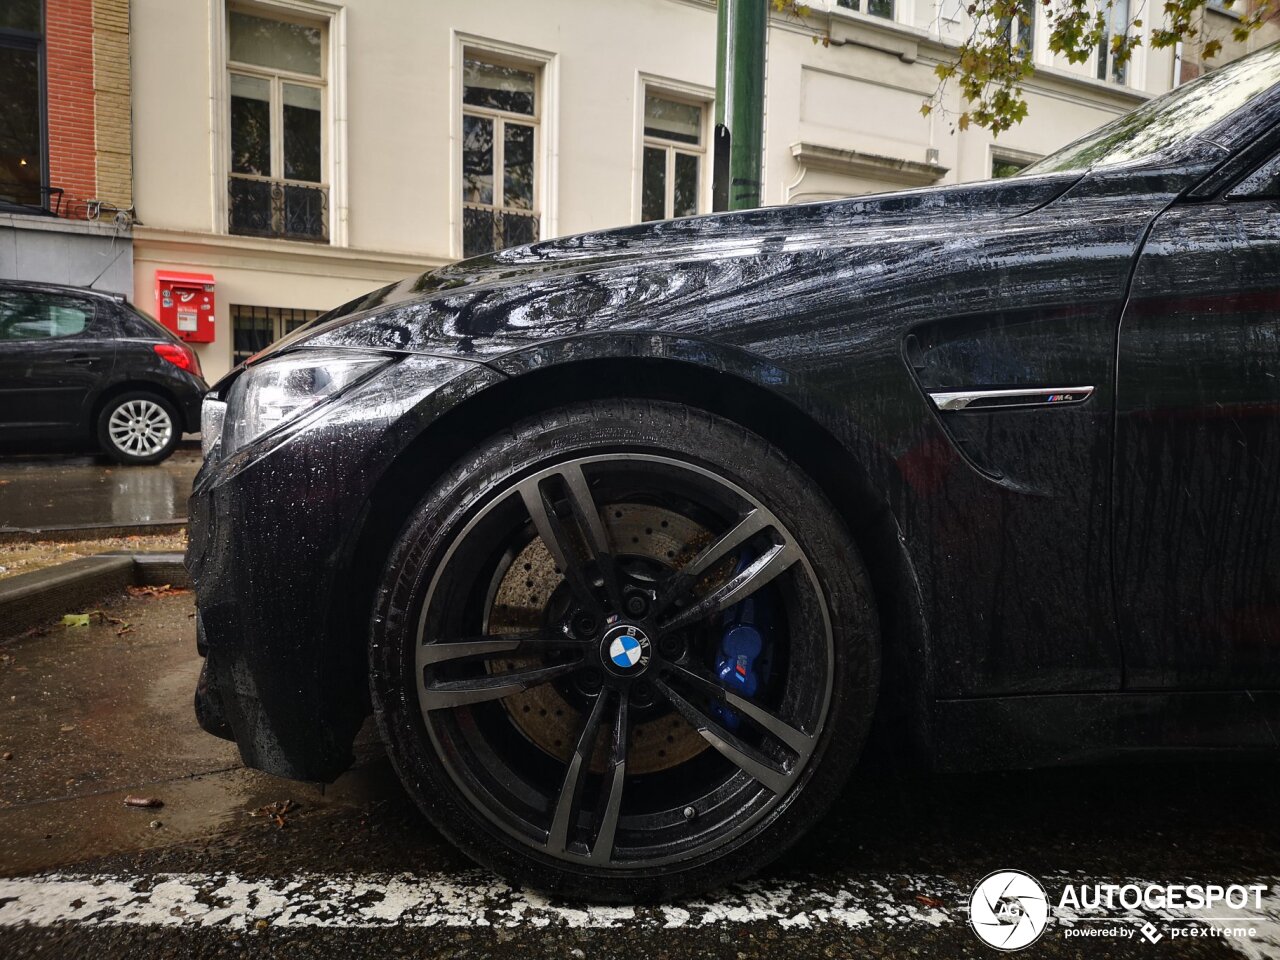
<point x="277" y="812"/>
<point x="164" y="590"/>
<point x="132" y="801"/>
<point x="928" y="901"/>
<point x="67" y="727"/>
<point x="75" y="620"/>
<point x="107" y="618"/>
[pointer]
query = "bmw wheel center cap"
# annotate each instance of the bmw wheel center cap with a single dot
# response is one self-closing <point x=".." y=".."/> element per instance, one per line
<point x="625" y="650"/>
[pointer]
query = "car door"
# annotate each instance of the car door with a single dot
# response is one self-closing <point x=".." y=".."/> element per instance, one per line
<point x="51" y="358"/>
<point x="1197" y="465"/>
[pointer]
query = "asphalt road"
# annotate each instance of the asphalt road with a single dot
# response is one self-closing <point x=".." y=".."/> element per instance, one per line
<point x="91" y="715"/>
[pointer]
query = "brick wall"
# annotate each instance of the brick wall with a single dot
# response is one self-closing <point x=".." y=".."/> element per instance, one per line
<point x="69" y="68"/>
<point x="113" y="120"/>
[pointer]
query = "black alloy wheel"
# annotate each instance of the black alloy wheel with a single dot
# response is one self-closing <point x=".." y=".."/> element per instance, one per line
<point x="551" y="664"/>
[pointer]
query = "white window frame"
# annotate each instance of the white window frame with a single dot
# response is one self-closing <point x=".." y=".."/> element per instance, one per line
<point x="277" y="79"/>
<point x="333" y="20"/>
<point x="1137" y="65"/>
<point x="902" y="12"/>
<point x="1034" y="53"/>
<point x="691" y="93"/>
<point x="544" y="66"/>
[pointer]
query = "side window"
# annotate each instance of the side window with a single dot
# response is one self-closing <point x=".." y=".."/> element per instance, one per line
<point x="38" y="316"/>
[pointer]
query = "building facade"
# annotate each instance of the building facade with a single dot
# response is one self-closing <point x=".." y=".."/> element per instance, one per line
<point x="66" y="179"/>
<point x="294" y="154"/>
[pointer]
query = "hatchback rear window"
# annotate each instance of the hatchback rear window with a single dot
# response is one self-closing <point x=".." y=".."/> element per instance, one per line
<point x="139" y="323"/>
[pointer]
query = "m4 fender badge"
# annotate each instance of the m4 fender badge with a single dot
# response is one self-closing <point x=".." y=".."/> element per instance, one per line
<point x="982" y="399"/>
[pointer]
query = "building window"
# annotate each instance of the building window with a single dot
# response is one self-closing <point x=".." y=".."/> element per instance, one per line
<point x="22" y="124"/>
<point x="674" y="151"/>
<point x="877" y="8"/>
<point x="500" y="192"/>
<point x="1117" y="24"/>
<point x="276" y="185"/>
<point x="253" y="329"/>
<point x="1006" y="167"/>
<point x="1020" y="31"/>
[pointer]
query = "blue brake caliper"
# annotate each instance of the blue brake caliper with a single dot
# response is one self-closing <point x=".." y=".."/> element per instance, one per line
<point x="743" y="650"/>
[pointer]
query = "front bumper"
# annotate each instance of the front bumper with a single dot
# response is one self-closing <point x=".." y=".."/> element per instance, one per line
<point x="274" y="527"/>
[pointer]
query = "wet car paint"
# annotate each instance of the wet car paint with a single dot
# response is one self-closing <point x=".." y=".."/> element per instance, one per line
<point x="824" y="326"/>
<point x="1198" y="451"/>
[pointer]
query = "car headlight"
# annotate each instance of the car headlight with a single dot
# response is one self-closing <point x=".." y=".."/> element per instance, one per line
<point x="273" y="392"/>
<point x="212" y="412"/>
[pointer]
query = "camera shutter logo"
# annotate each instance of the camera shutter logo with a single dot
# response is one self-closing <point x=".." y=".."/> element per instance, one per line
<point x="1008" y="910"/>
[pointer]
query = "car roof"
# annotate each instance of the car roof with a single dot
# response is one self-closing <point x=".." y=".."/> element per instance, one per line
<point x="41" y="287"/>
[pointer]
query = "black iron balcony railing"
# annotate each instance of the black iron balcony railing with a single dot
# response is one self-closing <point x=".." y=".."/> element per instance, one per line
<point x="287" y="209"/>
<point x="30" y="196"/>
<point x="485" y="229"/>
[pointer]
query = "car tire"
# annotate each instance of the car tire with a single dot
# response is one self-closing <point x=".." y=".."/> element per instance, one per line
<point x="138" y="427"/>
<point x="637" y="824"/>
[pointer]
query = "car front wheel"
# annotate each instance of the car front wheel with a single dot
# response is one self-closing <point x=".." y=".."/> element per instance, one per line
<point x="624" y="651"/>
<point x="138" y="428"/>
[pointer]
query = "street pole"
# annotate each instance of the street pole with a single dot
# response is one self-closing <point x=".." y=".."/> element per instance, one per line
<point x="741" y="27"/>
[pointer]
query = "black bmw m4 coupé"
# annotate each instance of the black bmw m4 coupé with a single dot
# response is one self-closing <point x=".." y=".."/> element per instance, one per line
<point x="627" y="538"/>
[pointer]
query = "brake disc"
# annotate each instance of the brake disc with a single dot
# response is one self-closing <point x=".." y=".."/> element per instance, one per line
<point x="543" y="713"/>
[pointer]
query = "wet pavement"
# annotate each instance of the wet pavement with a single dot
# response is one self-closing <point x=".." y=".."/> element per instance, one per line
<point x="91" y="715"/>
<point x="58" y="493"/>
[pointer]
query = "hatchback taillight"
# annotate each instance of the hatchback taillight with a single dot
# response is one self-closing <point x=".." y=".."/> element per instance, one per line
<point x="180" y="355"/>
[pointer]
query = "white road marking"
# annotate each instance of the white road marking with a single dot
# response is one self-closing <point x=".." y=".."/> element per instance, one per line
<point x="437" y="900"/>
<point x="475" y="899"/>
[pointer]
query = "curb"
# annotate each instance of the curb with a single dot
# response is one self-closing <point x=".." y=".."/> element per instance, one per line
<point x="92" y="531"/>
<point x="31" y="599"/>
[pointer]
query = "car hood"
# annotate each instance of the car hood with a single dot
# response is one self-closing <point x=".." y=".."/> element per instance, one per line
<point x="590" y="281"/>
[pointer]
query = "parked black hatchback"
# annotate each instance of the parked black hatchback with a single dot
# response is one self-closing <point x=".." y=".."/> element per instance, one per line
<point x="81" y="367"/>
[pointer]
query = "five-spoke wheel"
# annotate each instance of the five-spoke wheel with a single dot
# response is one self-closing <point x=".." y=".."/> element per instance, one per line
<point x="571" y="633"/>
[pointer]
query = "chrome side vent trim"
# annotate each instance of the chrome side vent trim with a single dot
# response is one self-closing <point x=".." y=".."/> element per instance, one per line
<point x="1004" y="399"/>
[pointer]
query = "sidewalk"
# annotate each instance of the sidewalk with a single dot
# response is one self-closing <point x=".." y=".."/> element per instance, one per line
<point x="65" y="493"/>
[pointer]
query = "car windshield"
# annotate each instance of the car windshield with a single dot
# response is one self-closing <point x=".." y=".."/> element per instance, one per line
<point x="1176" y="117"/>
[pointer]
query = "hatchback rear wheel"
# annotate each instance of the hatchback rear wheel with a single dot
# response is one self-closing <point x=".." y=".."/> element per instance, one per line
<point x="138" y="427"/>
<point x="613" y="649"/>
